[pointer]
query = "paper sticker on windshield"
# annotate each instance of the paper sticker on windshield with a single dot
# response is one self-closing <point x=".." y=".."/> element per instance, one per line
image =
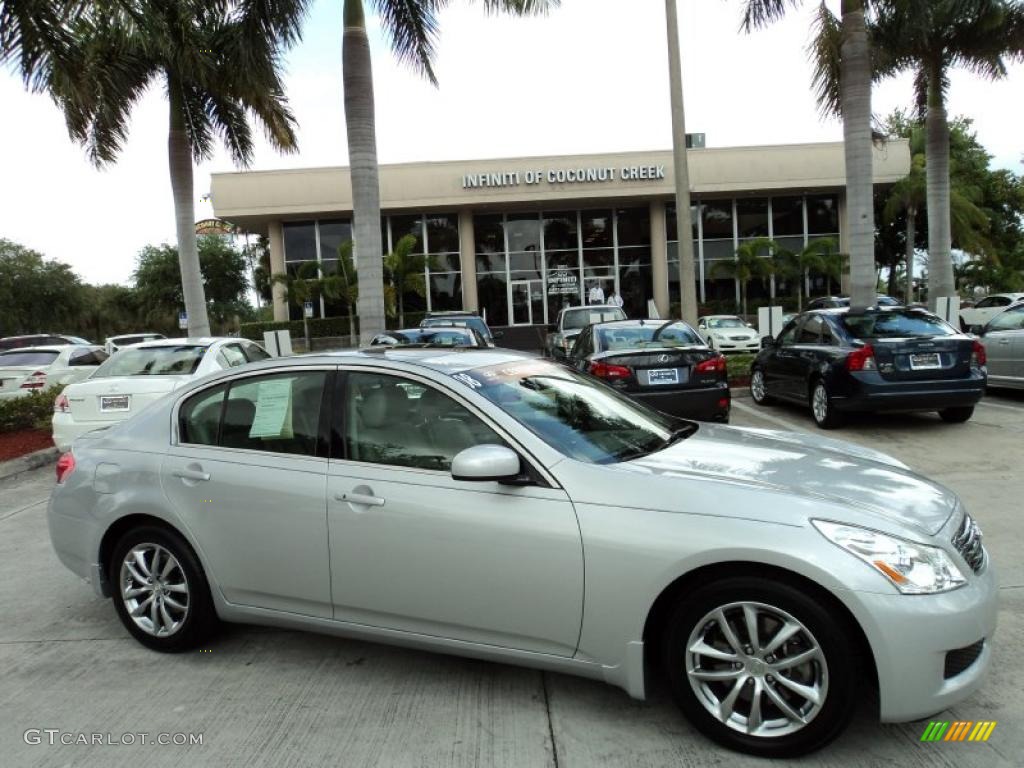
<point x="273" y="410"/>
<point x="509" y="372"/>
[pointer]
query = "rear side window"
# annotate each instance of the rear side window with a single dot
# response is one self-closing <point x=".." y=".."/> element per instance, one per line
<point x="28" y="357"/>
<point x="254" y="353"/>
<point x="88" y="357"/>
<point x="1010" y="320"/>
<point x="279" y="413"/>
<point x="896" y="325"/>
<point x="812" y="330"/>
<point x="993" y="301"/>
<point x="153" y="361"/>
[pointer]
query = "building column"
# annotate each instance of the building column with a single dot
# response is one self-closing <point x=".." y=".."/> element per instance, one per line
<point x="467" y="257"/>
<point x="276" y="237"/>
<point x="844" y="244"/>
<point x="659" y="257"/>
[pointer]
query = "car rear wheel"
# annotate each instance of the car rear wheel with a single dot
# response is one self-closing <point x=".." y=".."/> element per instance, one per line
<point x="758" y="388"/>
<point x="822" y="408"/>
<point x="160" y="591"/>
<point x="957" y="415"/>
<point x="761" y="667"/>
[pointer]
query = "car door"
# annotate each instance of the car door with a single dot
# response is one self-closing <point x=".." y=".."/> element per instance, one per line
<point x="1004" y="346"/>
<point x="414" y="550"/>
<point x="779" y="366"/>
<point x="810" y="350"/>
<point x="247" y="475"/>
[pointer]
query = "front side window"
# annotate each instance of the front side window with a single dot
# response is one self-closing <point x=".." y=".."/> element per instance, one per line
<point x="279" y="413"/>
<point x="254" y="353"/>
<point x="575" y="414"/>
<point x="401" y="422"/>
<point x="913" y="323"/>
<point x="993" y="301"/>
<point x="1010" y="320"/>
<point x="788" y="334"/>
<point x="153" y="361"/>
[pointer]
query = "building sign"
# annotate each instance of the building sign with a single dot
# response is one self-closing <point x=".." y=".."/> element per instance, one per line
<point x="591" y="175"/>
<point x="563" y="282"/>
<point x="214" y="227"/>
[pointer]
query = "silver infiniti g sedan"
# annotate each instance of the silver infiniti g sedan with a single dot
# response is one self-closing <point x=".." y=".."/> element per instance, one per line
<point x="496" y="505"/>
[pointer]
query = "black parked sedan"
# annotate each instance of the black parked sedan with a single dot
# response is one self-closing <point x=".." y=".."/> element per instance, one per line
<point x="878" y="359"/>
<point x="663" y="364"/>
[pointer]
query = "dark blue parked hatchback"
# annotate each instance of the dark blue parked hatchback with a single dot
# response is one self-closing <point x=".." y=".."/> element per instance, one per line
<point x="877" y="359"/>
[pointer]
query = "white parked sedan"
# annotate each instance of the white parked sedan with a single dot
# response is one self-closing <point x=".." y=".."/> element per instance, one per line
<point x="31" y="369"/>
<point x="114" y="343"/>
<point x="137" y="376"/>
<point x="453" y="500"/>
<point x="987" y="308"/>
<point x="728" y="333"/>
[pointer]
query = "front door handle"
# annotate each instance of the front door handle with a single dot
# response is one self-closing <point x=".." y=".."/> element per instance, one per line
<point x="360" y="498"/>
<point x="192" y="474"/>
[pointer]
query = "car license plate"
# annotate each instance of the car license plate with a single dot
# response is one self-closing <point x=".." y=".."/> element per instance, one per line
<point x="110" y="403"/>
<point x="663" y="376"/>
<point x="925" y="361"/>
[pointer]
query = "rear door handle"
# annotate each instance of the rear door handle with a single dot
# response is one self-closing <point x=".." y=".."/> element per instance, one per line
<point x="192" y="474"/>
<point x="360" y="498"/>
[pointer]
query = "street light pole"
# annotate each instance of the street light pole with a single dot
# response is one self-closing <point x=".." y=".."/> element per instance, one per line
<point x="687" y="273"/>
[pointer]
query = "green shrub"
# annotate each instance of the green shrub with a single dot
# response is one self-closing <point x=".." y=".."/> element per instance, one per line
<point x="31" y="411"/>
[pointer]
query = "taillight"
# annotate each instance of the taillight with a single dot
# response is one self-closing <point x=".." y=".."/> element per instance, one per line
<point x="61" y="404"/>
<point x="714" y="364"/>
<point x="65" y="466"/>
<point x="606" y="371"/>
<point x="36" y="381"/>
<point x="978" y="357"/>
<point x="862" y="359"/>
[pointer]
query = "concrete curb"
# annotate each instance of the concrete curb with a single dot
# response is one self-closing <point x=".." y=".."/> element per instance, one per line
<point x="28" y="462"/>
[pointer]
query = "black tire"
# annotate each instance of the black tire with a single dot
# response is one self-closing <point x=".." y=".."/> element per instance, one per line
<point x="690" y="616"/>
<point x="825" y="414"/>
<point x="199" y="619"/>
<point x="957" y="415"/>
<point x="765" y="398"/>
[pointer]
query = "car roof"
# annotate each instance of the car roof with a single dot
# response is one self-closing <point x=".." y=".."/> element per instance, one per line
<point x="47" y="348"/>
<point x="445" y="360"/>
<point x="463" y="329"/>
<point x="636" y="323"/>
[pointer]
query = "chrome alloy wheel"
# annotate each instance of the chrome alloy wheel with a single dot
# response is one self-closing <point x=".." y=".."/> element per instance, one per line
<point x="757" y="388"/>
<point x="819" y="403"/>
<point x="154" y="589"/>
<point x="757" y="669"/>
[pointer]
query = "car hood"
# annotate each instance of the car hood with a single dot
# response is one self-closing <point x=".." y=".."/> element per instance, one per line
<point x="811" y="467"/>
<point x="730" y="332"/>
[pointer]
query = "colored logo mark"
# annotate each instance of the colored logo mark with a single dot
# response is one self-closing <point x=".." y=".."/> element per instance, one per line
<point x="958" y="730"/>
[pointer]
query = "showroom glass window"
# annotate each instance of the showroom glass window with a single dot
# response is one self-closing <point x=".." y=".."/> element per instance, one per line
<point x="633" y="239"/>
<point x="673" y="250"/>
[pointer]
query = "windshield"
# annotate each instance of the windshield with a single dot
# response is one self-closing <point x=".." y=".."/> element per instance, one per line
<point x="645" y="336"/>
<point x="911" y="323"/>
<point x="442" y="338"/>
<point x="726" y="322"/>
<point x="152" y="361"/>
<point x="584" y="316"/>
<point x="28" y="357"/>
<point x="575" y="414"/>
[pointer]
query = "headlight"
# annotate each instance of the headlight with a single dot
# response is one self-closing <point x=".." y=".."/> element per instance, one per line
<point x="914" y="569"/>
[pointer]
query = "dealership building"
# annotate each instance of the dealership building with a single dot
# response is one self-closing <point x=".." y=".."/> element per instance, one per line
<point x="520" y="238"/>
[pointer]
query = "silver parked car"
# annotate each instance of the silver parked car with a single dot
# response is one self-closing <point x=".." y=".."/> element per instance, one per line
<point x="453" y="500"/>
<point x="1003" y="339"/>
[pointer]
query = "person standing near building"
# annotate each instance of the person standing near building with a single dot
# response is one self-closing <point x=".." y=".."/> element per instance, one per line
<point x="596" y="295"/>
<point x="614" y="299"/>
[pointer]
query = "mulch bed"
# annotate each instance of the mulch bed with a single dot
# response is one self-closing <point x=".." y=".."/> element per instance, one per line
<point x="15" y="444"/>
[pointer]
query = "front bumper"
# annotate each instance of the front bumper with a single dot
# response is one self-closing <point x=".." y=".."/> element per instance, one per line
<point x="728" y="345"/>
<point x="910" y="636"/>
<point x="704" y="404"/>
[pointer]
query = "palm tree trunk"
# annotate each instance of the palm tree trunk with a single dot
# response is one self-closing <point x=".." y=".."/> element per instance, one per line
<point x="801" y="281"/>
<point x="855" y="91"/>
<point x="681" y="172"/>
<point x="743" y="297"/>
<point x="911" y="236"/>
<point x="401" y="309"/>
<point x="179" y="155"/>
<point x="940" y="258"/>
<point x="357" y="78"/>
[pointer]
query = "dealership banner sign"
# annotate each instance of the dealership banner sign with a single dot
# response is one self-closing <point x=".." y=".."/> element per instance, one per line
<point x="590" y="175"/>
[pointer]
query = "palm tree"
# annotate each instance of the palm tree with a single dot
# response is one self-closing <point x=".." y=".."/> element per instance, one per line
<point x="848" y="94"/>
<point x="406" y="272"/>
<point x="798" y="264"/>
<point x="216" y="61"/>
<point x="930" y="37"/>
<point x="747" y="265"/>
<point x="412" y="28"/>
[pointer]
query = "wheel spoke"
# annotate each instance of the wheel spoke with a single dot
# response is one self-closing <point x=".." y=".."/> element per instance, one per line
<point x="141" y="607"/>
<point x="703" y="649"/>
<point x="133" y="570"/>
<point x="728" y="704"/>
<point x="786" y="631"/>
<point x="168" y="621"/>
<point x="730" y="636"/>
<point x="784" y="706"/>
<point x="132" y="593"/>
<point x="750" y="616"/>
<point x="171" y="563"/>
<point x="168" y="600"/>
<point x="181" y="588"/>
<point x="754" y="718"/>
<point x="140" y="561"/>
<point x="154" y="615"/>
<point x="795" y="661"/>
<point x="154" y="562"/>
<point x="717" y="674"/>
<point x="811" y="693"/>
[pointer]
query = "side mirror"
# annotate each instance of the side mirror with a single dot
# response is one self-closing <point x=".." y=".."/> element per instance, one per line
<point x="486" y="462"/>
<point x="977" y="330"/>
<point x="767" y="342"/>
<point x="497" y="334"/>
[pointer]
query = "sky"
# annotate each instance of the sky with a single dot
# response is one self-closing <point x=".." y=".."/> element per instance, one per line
<point x="590" y="77"/>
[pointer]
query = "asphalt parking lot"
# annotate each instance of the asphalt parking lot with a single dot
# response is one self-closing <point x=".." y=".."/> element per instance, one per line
<point x="264" y="697"/>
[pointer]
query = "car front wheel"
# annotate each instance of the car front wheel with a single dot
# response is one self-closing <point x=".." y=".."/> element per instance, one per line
<point x="758" y="388"/>
<point x="957" y="415"/>
<point x="822" y="408"/>
<point x="761" y="667"/>
<point x="160" y="591"/>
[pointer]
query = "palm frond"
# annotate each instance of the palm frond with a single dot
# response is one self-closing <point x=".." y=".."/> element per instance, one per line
<point x="521" y="7"/>
<point x="760" y="13"/>
<point x="824" y="51"/>
<point x="411" y="26"/>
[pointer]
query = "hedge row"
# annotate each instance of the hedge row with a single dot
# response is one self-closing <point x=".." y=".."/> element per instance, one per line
<point x="31" y="411"/>
<point x="319" y="327"/>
